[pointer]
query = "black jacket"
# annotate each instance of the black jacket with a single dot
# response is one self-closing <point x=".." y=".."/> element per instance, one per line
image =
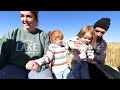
<point x="100" y="51"/>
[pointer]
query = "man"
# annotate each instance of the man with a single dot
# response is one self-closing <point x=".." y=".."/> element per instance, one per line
<point x="100" y="70"/>
<point x="101" y="26"/>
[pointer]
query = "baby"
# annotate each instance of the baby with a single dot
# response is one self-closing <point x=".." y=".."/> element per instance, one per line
<point x="79" y="50"/>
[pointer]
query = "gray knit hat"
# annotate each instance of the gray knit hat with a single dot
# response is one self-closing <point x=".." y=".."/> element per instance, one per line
<point x="103" y="23"/>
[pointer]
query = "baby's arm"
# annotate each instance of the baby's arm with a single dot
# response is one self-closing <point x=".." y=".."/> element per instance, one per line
<point x="46" y="59"/>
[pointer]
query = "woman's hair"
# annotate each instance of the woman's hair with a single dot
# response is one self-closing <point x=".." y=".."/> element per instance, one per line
<point x="91" y="30"/>
<point x="53" y="35"/>
<point x="35" y="13"/>
<point x="49" y="34"/>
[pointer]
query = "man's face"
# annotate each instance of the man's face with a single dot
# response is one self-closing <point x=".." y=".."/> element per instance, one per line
<point x="99" y="32"/>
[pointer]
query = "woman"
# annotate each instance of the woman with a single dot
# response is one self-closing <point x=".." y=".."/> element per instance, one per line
<point x="21" y="45"/>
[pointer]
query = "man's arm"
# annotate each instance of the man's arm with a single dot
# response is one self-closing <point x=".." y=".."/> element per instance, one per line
<point x="100" y="54"/>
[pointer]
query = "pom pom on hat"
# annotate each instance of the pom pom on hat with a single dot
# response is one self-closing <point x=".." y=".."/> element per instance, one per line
<point x="103" y="23"/>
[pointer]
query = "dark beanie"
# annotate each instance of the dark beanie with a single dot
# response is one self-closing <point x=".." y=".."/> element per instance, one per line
<point x="103" y="23"/>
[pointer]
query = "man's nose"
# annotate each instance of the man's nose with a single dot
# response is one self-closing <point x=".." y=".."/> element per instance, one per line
<point x="99" y="34"/>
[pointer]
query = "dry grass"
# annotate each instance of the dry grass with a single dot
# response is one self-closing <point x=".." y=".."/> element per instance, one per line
<point x="69" y="60"/>
<point x="113" y="55"/>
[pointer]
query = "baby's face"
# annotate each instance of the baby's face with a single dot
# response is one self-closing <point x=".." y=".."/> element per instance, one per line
<point x="58" y="41"/>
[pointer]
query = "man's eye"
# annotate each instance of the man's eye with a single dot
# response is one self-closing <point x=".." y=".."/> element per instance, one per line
<point x="21" y="15"/>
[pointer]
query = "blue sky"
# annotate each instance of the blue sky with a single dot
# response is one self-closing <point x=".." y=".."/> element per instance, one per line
<point x="69" y="22"/>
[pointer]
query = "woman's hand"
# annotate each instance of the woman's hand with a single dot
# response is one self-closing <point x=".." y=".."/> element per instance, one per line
<point x="32" y="65"/>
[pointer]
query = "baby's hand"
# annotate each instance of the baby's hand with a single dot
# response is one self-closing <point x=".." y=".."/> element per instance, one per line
<point x="90" y="54"/>
<point x="40" y="61"/>
<point x="82" y="55"/>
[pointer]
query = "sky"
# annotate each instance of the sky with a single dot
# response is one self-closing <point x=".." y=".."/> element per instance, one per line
<point x="69" y="22"/>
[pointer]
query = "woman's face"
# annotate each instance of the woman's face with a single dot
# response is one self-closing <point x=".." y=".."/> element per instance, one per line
<point x="28" y="20"/>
